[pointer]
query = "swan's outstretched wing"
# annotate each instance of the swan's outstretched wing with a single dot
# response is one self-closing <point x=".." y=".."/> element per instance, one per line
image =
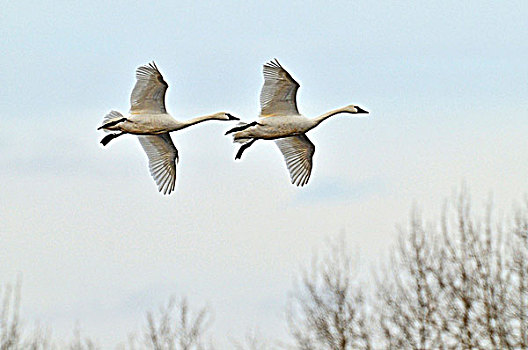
<point x="162" y="155"/>
<point x="298" y="152"/>
<point x="148" y="95"/>
<point x="278" y="95"/>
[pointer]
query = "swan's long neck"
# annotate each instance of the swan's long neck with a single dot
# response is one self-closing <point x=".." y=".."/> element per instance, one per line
<point x="196" y="120"/>
<point x="318" y="120"/>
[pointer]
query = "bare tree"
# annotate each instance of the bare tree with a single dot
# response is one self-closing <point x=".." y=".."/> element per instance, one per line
<point x="450" y="284"/>
<point x="252" y="341"/>
<point x="176" y="328"/>
<point x="40" y="339"/>
<point x="409" y="307"/>
<point x="81" y="343"/>
<point x="327" y="308"/>
<point x="10" y="329"/>
<point x="515" y="317"/>
<point x="460" y="282"/>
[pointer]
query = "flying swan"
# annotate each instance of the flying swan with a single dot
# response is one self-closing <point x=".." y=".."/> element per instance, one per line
<point x="280" y="121"/>
<point x="150" y="121"/>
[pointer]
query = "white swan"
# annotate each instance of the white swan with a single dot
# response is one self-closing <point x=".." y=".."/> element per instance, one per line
<point x="280" y="121"/>
<point x="150" y="121"/>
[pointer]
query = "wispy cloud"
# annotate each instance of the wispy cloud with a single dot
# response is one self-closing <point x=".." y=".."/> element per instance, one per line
<point x="340" y="190"/>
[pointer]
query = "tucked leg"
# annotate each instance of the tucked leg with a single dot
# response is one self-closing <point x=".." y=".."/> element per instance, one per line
<point x="110" y="137"/>
<point x="243" y="148"/>
<point x="241" y="127"/>
<point x="112" y="123"/>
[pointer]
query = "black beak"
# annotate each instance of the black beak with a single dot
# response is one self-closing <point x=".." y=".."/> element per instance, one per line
<point x="230" y="116"/>
<point x="359" y="110"/>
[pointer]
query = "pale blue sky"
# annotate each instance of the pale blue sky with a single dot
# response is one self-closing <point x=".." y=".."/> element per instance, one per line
<point x="446" y="84"/>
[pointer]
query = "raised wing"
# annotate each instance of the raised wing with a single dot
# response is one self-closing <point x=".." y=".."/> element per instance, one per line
<point x="279" y="91"/>
<point x="162" y="156"/>
<point x="148" y="95"/>
<point x="298" y="152"/>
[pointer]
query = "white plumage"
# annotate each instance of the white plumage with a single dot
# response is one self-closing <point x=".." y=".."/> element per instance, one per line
<point x="281" y="121"/>
<point x="149" y="120"/>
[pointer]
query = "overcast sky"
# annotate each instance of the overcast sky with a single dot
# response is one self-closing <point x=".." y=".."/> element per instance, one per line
<point x="446" y="84"/>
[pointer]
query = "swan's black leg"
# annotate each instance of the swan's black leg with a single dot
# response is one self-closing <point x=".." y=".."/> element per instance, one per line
<point x="241" y="127"/>
<point x="243" y="148"/>
<point x="110" y="137"/>
<point x="112" y="123"/>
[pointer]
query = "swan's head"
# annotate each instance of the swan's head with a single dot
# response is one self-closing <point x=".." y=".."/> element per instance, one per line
<point x="225" y="116"/>
<point x="354" y="110"/>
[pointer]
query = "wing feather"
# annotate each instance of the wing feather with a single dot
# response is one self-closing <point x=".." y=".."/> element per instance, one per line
<point x="162" y="155"/>
<point x="298" y="152"/>
<point x="148" y="95"/>
<point x="278" y="95"/>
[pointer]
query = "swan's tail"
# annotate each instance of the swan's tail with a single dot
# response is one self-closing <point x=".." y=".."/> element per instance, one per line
<point x="111" y="120"/>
